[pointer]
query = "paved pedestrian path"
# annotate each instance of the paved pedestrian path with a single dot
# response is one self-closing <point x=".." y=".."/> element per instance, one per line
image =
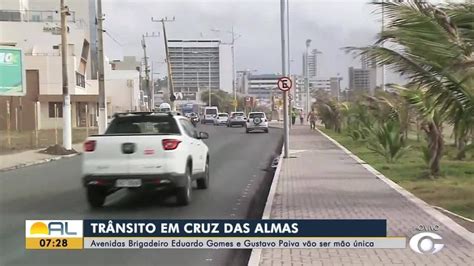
<point x="321" y="181"/>
<point x="28" y="157"/>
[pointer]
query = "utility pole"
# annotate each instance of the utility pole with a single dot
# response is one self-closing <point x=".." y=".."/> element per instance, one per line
<point x="170" y="74"/>
<point x="67" y="128"/>
<point x="306" y="74"/>
<point x="147" y="71"/>
<point x="234" y="85"/>
<point x="285" y="93"/>
<point x="233" y="72"/>
<point x="100" y="50"/>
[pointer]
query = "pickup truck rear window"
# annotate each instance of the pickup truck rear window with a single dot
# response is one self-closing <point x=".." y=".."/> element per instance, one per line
<point x="160" y="125"/>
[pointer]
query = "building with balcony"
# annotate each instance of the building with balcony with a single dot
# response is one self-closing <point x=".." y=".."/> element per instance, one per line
<point x="34" y="26"/>
<point x="197" y="65"/>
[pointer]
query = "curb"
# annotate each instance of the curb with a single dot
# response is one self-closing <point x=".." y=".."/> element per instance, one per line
<point x="445" y="220"/>
<point x="256" y="253"/>
<point x="23" y="165"/>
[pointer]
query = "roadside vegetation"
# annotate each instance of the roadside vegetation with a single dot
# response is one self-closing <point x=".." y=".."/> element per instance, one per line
<point x="419" y="134"/>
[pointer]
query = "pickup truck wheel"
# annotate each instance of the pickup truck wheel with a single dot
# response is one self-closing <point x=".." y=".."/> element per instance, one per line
<point x="96" y="196"/>
<point x="203" y="183"/>
<point x="183" y="194"/>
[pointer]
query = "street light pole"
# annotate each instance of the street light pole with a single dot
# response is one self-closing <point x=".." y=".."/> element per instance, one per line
<point x="285" y="93"/>
<point x="209" y="82"/>
<point x="306" y="73"/>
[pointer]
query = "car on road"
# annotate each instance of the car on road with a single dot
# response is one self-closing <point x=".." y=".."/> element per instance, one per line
<point x="145" y="150"/>
<point x="237" y="118"/>
<point x="221" y="119"/>
<point x="209" y="115"/>
<point x="256" y="121"/>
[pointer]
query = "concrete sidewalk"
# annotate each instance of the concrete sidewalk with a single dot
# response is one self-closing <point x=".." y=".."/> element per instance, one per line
<point x="321" y="180"/>
<point x="30" y="157"/>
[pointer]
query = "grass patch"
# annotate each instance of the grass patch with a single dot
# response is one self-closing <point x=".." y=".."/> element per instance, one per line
<point x="453" y="191"/>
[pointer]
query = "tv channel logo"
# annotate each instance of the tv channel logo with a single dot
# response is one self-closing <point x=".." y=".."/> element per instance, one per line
<point x="53" y="228"/>
<point x="426" y="243"/>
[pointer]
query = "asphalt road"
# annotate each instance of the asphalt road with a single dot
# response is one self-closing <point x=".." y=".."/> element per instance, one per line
<point x="54" y="191"/>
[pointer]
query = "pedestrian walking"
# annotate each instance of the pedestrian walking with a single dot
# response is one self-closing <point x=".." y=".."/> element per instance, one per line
<point x="301" y="117"/>
<point x="293" y="116"/>
<point x="312" y="119"/>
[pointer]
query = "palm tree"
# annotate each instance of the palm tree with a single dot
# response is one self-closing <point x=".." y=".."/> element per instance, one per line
<point x="432" y="46"/>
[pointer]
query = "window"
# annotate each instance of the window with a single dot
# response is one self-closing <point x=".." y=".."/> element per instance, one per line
<point x="259" y="115"/>
<point x="59" y="109"/>
<point x="188" y="128"/>
<point x="160" y="125"/>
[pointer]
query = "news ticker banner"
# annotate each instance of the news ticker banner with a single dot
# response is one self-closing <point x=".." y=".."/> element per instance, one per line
<point x="208" y="234"/>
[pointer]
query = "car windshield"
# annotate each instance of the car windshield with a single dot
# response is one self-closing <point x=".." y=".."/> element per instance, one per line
<point x="223" y="115"/>
<point x="211" y="111"/>
<point x="237" y="114"/>
<point x="255" y="115"/>
<point x="143" y="125"/>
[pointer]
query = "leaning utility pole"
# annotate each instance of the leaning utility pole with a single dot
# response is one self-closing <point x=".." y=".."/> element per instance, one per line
<point x="170" y="74"/>
<point x="100" y="51"/>
<point x="67" y="130"/>
<point x="147" y="72"/>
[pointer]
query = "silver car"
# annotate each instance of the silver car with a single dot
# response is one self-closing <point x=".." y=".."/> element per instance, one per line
<point x="237" y="118"/>
<point x="256" y="121"/>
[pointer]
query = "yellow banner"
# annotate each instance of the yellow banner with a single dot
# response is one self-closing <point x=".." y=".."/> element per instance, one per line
<point x="54" y="243"/>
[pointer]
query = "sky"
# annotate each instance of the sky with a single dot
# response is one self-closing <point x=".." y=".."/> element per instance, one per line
<point x="330" y="25"/>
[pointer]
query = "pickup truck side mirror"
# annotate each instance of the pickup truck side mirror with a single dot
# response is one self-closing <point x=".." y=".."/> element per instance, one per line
<point x="203" y="135"/>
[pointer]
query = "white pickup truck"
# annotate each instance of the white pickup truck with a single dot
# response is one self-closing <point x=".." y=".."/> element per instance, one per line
<point x="145" y="150"/>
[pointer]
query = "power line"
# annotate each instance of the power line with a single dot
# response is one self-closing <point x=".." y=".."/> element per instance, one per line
<point x="113" y="39"/>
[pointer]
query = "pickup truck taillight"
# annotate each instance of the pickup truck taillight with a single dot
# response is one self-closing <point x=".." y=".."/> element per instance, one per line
<point x="170" y="144"/>
<point x="89" y="145"/>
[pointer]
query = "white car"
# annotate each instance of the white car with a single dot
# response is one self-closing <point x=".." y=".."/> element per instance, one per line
<point x="221" y="119"/>
<point x="256" y="121"/>
<point x="145" y="150"/>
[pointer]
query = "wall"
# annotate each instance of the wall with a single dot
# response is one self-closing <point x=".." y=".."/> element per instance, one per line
<point x="123" y="95"/>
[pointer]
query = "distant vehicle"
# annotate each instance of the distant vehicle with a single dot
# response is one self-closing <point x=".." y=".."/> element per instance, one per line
<point x="256" y="121"/>
<point x="164" y="107"/>
<point x="145" y="150"/>
<point x="237" y="118"/>
<point x="221" y="119"/>
<point x="209" y="114"/>
<point x="194" y="118"/>
<point x="188" y="108"/>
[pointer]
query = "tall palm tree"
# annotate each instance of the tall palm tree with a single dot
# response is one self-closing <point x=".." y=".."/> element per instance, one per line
<point x="432" y="46"/>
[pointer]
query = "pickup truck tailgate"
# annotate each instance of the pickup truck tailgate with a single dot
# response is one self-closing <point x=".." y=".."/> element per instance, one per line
<point x="150" y="157"/>
<point x="107" y="157"/>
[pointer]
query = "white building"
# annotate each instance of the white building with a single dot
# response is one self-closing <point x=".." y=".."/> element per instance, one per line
<point x="197" y="65"/>
<point x="34" y="26"/>
<point x="263" y="87"/>
<point x="362" y="80"/>
<point x="312" y="63"/>
<point x="330" y="85"/>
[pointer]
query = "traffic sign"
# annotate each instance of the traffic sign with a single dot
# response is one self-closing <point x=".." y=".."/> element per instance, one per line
<point x="284" y="83"/>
